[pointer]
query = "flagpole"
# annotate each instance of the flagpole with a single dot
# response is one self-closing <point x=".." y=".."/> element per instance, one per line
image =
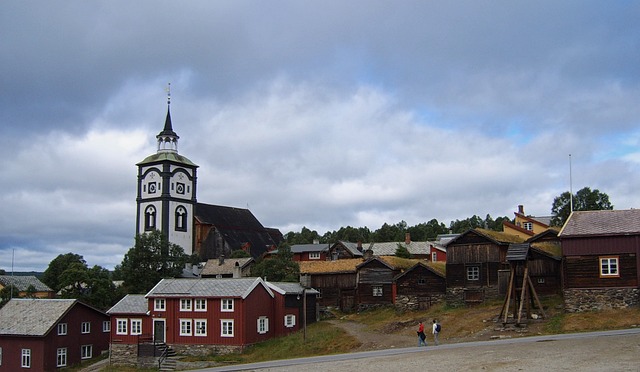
<point x="570" y="187"/>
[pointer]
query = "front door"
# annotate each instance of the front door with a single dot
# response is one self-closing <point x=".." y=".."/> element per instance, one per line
<point x="158" y="331"/>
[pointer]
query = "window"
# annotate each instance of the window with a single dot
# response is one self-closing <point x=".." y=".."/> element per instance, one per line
<point x="185" y="304"/>
<point x="121" y="326"/>
<point x="61" y="360"/>
<point x="136" y="326"/>
<point x="434" y="256"/>
<point x="200" y="304"/>
<point x="86" y="351"/>
<point x="85" y="327"/>
<point x="200" y="327"/>
<point x="540" y="280"/>
<point x="289" y="320"/>
<point x="226" y="305"/>
<point x="0" y="356"/>
<point x="263" y="325"/>
<point x="62" y="329"/>
<point x="377" y="290"/>
<point x="150" y="218"/>
<point x="181" y="219"/>
<point x="422" y="281"/>
<point x="473" y="273"/>
<point x="528" y="226"/>
<point x="226" y="327"/>
<point x="609" y="267"/>
<point x="185" y="327"/>
<point x="159" y="304"/>
<point x="314" y="255"/>
<point x="106" y="326"/>
<point x="26" y="358"/>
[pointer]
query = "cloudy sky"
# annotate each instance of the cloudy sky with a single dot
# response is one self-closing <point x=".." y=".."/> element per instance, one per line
<point x="318" y="114"/>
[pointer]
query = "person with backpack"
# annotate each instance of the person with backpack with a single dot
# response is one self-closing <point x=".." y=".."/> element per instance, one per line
<point x="435" y="330"/>
<point x="422" y="338"/>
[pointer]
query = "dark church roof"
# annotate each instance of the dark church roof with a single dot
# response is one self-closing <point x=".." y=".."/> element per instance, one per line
<point x="238" y="226"/>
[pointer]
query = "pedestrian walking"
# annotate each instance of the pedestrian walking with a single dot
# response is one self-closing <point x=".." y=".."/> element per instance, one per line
<point x="422" y="338"/>
<point x="435" y="329"/>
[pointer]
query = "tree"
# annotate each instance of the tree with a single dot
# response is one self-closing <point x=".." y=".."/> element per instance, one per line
<point x="402" y="251"/>
<point x="281" y="268"/>
<point x="584" y="200"/>
<point x="92" y="286"/>
<point x="239" y="253"/>
<point x="152" y="258"/>
<point x="51" y="276"/>
<point x="7" y="293"/>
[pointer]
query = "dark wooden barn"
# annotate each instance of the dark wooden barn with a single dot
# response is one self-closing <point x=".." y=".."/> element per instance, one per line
<point x="420" y="286"/>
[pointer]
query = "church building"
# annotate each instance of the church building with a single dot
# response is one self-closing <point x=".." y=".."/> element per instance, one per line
<point x="166" y="201"/>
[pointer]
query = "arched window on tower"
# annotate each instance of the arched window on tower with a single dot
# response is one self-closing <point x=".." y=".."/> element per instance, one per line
<point x="150" y="218"/>
<point x="181" y="219"/>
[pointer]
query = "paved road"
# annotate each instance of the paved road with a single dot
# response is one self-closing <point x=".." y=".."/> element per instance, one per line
<point x="594" y="351"/>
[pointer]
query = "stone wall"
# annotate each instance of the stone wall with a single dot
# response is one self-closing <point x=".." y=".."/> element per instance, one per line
<point x="124" y="355"/>
<point x="413" y="303"/>
<point x="204" y="350"/>
<point x="592" y="299"/>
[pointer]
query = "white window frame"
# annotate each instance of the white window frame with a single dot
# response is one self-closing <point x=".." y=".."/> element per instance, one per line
<point x="106" y="326"/>
<point x="85" y="327"/>
<point x="62" y="329"/>
<point x="121" y="326"/>
<point x="136" y="327"/>
<point x="376" y="290"/>
<point x="61" y="357"/>
<point x="200" y="304"/>
<point x="159" y="304"/>
<point x="609" y="267"/>
<point x="434" y="256"/>
<point x="25" y="358"/>
<point x="290" y="320"/>
<point x="186" y="304"/>
<point x="528" y="226"/>
<point x="263" y="325"/>
<point x="200" y="327"/>
<point x="186" y="327"/>
<point x="86" y="351"/>
<point x="0" y="356"/>
<point x="314" y="255"/>
<point x="226" y="305"/>
<point x="473" y="273"/>
<point x="227" y="327"/>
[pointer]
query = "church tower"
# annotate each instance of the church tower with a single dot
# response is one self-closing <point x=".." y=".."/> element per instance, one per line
<point x="167" y="191"/>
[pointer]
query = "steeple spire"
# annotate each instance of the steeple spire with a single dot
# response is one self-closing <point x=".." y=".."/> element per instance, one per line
<point x="168" y="139"/>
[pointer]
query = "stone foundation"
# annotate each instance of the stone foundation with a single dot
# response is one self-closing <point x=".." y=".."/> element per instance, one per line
<point x="593" y="299"/>
<point x="414" y="303"/>
<point x="204" y="350"/>
<point x="124" y="355"/>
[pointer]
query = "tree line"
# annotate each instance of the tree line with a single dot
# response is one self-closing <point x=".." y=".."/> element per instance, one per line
<point x="153" y="257"/>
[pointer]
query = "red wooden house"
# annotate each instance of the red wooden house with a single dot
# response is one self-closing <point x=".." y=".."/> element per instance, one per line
<point x="49" y="334"/>
<point x="601" y="256"/>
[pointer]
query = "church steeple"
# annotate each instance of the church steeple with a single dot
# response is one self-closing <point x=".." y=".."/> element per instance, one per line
<point x="168" y="139"/>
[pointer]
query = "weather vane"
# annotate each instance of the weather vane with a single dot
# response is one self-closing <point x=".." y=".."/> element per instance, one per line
<point x="168" y="89"/>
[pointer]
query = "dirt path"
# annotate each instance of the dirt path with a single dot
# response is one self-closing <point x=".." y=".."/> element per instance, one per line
<point x="371" y="340"/>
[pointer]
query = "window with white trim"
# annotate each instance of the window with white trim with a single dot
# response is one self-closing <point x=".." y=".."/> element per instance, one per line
<point x="200" y="304"/>
<point x="377" y="290"/>
<point x="528" y="226"/>
<point x="185" y="327"/>
<point x="226" y="327"/>
<point x="200" y="327"/>
<point x="136" y="326"/>
<point x="473" y="273"/>
<point x="86" y="351"/>
<point x="185" y="304"/>
<point x="61" y="359"/>
<point x="121" y="326"/>
<point x="289" y="320"/>
<point x="434" y="256"/>
<point x="159" y="304"/>
<point x="25" y="358"/>
<point x="314" y="255"/>
<point x="609" y="267"/>
<point x="62" y="329"/>
<point x="263" y="325"/>
<point x="106" y="326"/>
<point x="226" y="305"/>
<point x="85" y="327"/>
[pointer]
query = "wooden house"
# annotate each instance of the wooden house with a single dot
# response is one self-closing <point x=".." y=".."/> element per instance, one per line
<point x="334" y="280"/>
<point x="345" y="250"/>
<point x="601" y="255"/>
<point x="50" y="334"/>
<point x="476" y="266"/>
<point x="27" y="286"/>
<point x="295" y="307"/>
<point x="420" y="286"/>
<point x="375" y="283"/>
<point x="227" y="267"/>
<point x="438" y="252"/>
<point x="305" y="252"/>
<point x="526" y="226"/>
<point x="545" y="262"/>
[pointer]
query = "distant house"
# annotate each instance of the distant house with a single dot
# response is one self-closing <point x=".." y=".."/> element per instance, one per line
<point x="50" y="334"/>
<point x="476" y="266"/>
<point x="416" y="249"/>
<point x="28" y="286"/>
<point x="228" y="267"/>
<point x="420" y="286"/>
<point x="344" y="250"/>
<point x="601" y="253"/>
<point x="526" y="226"/>
<point x="438" y="252"/>
<point x="222" y="230"/>
<point x="305" y="252"/>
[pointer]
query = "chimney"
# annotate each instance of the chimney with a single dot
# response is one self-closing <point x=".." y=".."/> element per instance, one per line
<point x="407" y="238"/>
<point x="521" y="209"/>
<point x="316" y="241"/>
<point x="221" y="260"/>
<point x="237" y="273"/>
<point x="359" y="246"/>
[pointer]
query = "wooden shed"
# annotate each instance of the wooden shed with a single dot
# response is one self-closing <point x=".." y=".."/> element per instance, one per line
<point x="420" y="286"/>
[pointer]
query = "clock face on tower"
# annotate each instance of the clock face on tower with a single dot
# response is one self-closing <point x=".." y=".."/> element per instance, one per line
<point x="152" y="187"/>
<point x="180" y="188"/>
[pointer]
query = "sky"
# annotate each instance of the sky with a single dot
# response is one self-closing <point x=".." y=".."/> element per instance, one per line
<point x="317" y="114"/>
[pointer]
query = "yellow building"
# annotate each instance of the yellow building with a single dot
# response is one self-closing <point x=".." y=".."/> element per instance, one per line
<point x="526" y="226"/>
